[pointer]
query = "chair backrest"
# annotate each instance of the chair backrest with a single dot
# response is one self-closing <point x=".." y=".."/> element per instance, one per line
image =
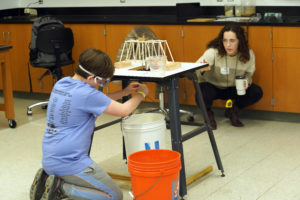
<point x="55" y="41"/>
<point x="51" y="43"/>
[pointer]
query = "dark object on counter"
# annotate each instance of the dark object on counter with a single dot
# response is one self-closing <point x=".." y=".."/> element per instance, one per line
<point x="273" y="17"/>
<point x="186" y="11"/>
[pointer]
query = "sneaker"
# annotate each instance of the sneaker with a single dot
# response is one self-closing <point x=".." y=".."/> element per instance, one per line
<point x="53" y="189"/>
<point x="38" y="185"/>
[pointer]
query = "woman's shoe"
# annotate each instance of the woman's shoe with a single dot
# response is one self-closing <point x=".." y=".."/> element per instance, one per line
<point x="232" y="114"/>
<point x="211" y="118"/>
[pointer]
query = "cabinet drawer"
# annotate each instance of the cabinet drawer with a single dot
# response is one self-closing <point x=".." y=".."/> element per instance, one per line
<point x="286" y="37"/>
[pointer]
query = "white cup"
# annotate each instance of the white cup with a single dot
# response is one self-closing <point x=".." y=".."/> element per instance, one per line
<point x="157" y="64"/>
<point x="241" y="84"/>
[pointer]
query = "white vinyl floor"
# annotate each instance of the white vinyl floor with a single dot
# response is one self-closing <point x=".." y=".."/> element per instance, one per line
<point x="261" y="160"/>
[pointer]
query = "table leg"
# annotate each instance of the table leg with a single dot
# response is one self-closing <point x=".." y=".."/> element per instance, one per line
<point x="209" y="130"/>
<point x="175" y="127"/>
<point x="125" y="83"/>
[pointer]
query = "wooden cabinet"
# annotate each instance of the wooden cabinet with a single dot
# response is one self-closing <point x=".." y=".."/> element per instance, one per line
<point x="4" y="40"/>
<point x="278" y="77"/>
<point x="260" y="42"/>
<point x="18" y="36"/>
<point x="286" y="64"/>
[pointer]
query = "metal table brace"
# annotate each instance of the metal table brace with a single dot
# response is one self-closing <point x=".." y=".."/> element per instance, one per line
<point x="175" y="126"/>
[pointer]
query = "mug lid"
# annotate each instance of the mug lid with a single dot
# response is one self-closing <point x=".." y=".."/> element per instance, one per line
<point x="240" y="77"/>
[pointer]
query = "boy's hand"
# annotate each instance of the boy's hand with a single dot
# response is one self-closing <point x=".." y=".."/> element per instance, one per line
<point x="132" y="87"/>
<point x="143" y="88"/>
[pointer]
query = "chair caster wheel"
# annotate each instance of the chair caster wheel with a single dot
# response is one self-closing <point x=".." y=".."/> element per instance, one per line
<point x="12" y="123"/>
<point x="29" y="112"/>
<point x="44" y="107"/>
<point x="191" y="118"/>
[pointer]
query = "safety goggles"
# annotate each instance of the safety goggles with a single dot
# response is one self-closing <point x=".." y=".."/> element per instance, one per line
<point x="97" y="79"/>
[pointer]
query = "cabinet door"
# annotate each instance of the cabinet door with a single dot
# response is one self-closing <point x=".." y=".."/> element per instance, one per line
<point x="87" y="36"/>
<point x="287" y="37"/>
<point x="4" y="33"/>
<point x="195" y="41"/>
<point x="173" y="35"/>
<point x="19" y="37"/>
<point x="260" y="42"/>
<point x="286" y="80"/>
<point x="3" y="41"/>
<point x="286" y="63"/>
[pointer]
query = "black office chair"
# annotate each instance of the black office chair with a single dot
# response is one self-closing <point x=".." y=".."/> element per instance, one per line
<point x="57" y="42"/>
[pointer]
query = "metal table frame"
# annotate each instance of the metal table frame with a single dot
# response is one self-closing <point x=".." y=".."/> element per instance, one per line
<point x="170" y="82"/>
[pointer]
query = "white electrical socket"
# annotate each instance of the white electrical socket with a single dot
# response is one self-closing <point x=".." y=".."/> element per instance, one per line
<point x="122" y="1"/>
<point x="41" y="1"/>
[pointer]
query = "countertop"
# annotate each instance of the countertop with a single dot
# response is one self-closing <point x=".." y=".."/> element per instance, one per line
<point x="145" y="19"/>
<point x="146" y="15"/>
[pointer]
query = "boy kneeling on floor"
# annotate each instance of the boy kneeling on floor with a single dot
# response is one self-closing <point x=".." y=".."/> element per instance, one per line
<point x="74" y="104"/>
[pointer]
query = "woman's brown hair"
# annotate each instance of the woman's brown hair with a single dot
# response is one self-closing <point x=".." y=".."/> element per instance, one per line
<point x="243" y="47"/>
<point x="96" y="62"/>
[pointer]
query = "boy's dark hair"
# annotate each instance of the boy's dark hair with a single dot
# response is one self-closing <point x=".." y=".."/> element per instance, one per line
<point x="96" y="62"/>
<point x="243" y="47"/>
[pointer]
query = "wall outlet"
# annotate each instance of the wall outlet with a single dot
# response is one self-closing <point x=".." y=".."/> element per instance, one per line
<point x="41" y="1"/>
<point x="122" y="1"/>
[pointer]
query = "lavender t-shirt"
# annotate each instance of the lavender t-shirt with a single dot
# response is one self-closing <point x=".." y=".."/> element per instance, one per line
<point x="71" y="115"/>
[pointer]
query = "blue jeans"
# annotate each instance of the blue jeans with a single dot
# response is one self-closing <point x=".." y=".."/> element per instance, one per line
<point x="92" y="183"/>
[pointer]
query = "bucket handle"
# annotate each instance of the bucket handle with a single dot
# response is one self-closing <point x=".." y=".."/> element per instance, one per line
<point x="122" y="121"/>
<point x="152" y="186"/>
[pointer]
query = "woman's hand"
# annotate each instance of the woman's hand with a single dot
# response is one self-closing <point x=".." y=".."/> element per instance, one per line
<point x="246" y="83"/>
<point x="204" y="69"/>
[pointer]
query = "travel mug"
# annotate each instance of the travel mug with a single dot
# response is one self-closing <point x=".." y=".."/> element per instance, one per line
<point x="241" y="84"/>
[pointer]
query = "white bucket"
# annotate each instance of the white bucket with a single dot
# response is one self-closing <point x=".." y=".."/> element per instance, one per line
<point x="144" y="131"/>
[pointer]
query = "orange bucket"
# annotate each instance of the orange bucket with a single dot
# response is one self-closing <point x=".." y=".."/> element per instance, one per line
<point x="155" y="174"/>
